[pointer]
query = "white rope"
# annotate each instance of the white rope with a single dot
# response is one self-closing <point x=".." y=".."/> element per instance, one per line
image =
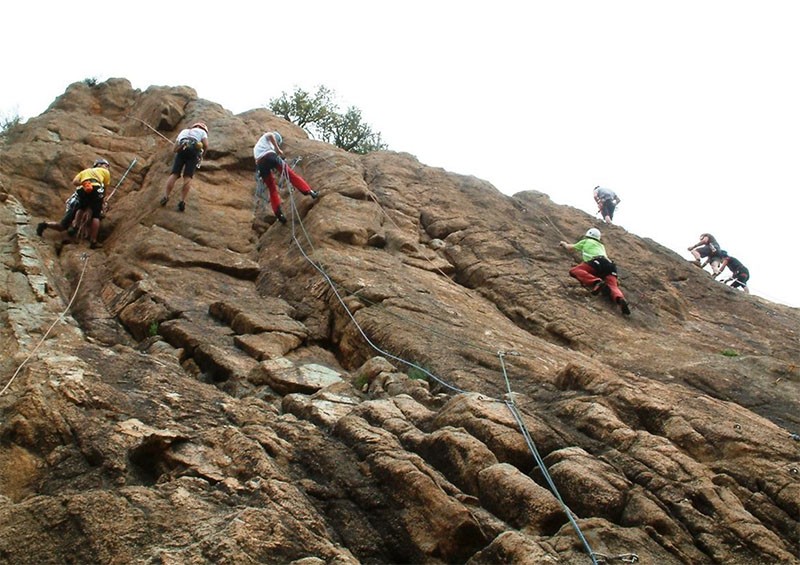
<point x="44" y="337"/>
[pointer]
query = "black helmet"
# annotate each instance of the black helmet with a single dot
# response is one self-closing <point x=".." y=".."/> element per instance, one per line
<point x="100" y="162"/>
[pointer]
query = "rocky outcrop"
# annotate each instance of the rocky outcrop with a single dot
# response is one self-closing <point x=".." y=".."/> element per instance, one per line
<point x="403" y="373"/>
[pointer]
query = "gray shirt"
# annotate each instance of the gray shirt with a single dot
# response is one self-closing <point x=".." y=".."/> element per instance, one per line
<point x="604" y="193"/>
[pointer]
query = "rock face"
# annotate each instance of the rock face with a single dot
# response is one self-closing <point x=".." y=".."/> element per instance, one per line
<point x="403" y="373"/>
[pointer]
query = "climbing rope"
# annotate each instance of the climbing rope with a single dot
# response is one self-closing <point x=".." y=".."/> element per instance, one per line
<point x="154" y="130"/>
<point x="284" y="185"/>
<point x="509" y="402"/>
<point x="85" y="258"/>
<point x="295" y="217"/>
<point x="108" y="198"/>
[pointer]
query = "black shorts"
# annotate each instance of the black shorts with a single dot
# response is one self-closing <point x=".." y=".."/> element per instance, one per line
<point x="267" y="163"/>
<point x="186" y="161"/>
<point x="81" y="201"/>
<point x="709" y="251"/>
<point x="608" y="208"/>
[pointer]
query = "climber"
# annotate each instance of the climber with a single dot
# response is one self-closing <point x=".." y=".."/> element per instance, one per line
<point x="706" y="251"/>
<point x="596" y="272"/>
<point x="607" y="201"/>
<point x="88" y="197"/>
<point x="189" y="147"/>
<point x="739" y="273"/>
<point x="269" y="157"/>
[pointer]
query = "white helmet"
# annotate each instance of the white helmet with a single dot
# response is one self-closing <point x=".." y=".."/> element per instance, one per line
<point x="594" y="233"/>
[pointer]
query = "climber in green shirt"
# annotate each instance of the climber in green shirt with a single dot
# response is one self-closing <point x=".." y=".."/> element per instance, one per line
<point x="597" y="271"/>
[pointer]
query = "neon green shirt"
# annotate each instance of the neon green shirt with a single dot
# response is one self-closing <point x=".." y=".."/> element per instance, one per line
<point x="590" y="248"/>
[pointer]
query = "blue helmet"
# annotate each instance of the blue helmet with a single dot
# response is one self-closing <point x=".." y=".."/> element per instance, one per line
<point x="100" y="163"/>
<point x="278" y="137"/>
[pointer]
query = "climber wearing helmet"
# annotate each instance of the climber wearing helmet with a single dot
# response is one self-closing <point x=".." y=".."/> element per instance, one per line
<point x="90" y="190"/>
<point x="189" y="147"/>
<point x="607" y="201"/>
<point x="597" y="271"/>
<point x="269" y="157"/>
<point x="739" y="273"/>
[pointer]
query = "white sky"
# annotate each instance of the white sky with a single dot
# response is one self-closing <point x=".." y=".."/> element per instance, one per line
<point x="689" y="110"/>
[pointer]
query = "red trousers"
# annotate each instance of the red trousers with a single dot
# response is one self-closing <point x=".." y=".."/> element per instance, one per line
<point x="274" y="197"/>
<point x="587" y="277"/>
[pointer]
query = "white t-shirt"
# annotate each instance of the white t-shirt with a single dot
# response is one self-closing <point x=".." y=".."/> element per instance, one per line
<point x="198" y="134"/>
<point x="263" y="146"/>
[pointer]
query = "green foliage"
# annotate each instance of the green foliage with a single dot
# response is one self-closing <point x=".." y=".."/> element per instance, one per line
<point x="8" y="123"/>
<point x="361" y="382"/>
<point x="351" y="134"/>
<point x="152" y="329"/>
<point x="309" y="111"/>
<point x="90" y="81"/>
<point x="320" y="116"/>
<point x="729" y="353"/>
<point x="417" y="374"/>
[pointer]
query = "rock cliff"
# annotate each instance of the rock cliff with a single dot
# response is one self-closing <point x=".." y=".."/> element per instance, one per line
<point x="403" y="373"/>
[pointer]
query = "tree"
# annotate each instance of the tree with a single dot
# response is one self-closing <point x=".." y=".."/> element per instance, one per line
<point x="319" y="115"/>
<point x="8" y="122"/>
<point x="351" y="134"/>
<point x="304" y="109"/>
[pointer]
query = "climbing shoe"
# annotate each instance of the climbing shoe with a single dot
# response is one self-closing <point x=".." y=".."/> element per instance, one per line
<point x="95" y="245"/>
<point x="313" y="194"/>
<point x="623" y="304"/>
<point x="72" y="231"/>
<point x="40" y="228"/>
<point x="597" y="287"/>
<point x="181" y="206"/>
<point x="281" y="217"/>
<point x="163" y="201"/>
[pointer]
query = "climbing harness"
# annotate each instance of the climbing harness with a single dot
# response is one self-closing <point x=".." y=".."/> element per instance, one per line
<point x="261" y="194"/>
<point x="85" y="258"/>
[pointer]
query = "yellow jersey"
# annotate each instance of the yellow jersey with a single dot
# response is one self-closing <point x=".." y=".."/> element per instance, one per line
<point x="96" y="177"/>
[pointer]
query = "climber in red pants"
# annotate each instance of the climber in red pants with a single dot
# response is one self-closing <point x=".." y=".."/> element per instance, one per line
<point x="597" y="272"/>
<point x="268" y="155"/>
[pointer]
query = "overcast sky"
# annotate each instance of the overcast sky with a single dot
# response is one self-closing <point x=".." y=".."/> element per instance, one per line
<point x="687" y="109"/>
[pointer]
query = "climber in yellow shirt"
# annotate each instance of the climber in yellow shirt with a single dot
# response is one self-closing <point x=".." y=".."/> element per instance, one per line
<point x="90" y="190"/>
